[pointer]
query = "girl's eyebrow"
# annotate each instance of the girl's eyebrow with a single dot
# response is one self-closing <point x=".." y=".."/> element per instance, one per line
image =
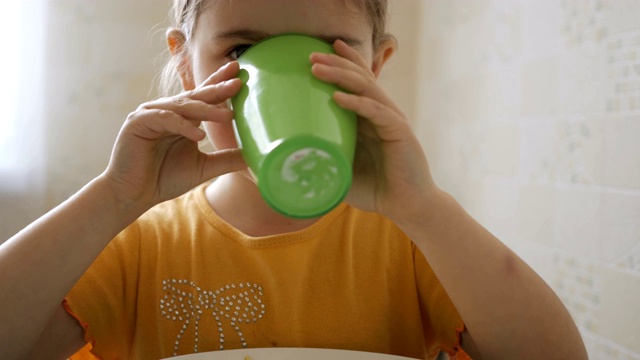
<point x="255" y="36"/>
<point x="242" y="34"/>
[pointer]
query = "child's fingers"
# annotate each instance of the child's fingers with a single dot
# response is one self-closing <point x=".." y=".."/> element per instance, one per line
<point x="347" y="52"/>
<point x="182" y="114"/>
<point x="385" y="120"/>
<point x="339" y="61"/>
<point x="212" y="94"/>
<point x="225" y="72"/>
<point x="354" y="82"/>
<point x="347" y="79"/>
<point x="217" y="93"/>
<point x="152" y="124"/>
<point x="350" y="71"/>
<point x="218" y="87"/>
<point x="195" y="110"/>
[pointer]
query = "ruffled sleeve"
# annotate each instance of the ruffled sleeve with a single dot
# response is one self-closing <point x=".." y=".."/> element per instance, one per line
<point x="103" y="300"/>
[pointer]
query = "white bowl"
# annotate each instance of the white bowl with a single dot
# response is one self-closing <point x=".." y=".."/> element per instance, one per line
<point x="288" y="354"/>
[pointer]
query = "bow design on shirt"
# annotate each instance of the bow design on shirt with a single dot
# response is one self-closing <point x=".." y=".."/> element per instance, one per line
<point x="234" y="304"/>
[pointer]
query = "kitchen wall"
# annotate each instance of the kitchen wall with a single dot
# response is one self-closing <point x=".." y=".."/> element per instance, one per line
<point x="102" y="59"/>
<point x="530" y="113"/>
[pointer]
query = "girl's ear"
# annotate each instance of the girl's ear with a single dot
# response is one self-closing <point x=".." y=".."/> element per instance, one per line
<point x="176" y="41"/>
<point x="383" y="53"/>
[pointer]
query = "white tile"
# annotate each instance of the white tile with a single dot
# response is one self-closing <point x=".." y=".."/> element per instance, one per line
<point x="580" y="150"/>
<point x="540" y="38"/>
<point x="622" y="91"/>
<point x="501" y="199"/>
<point x="620" y="15"/>
<point x="630" y="261"/>
<point x="538" y="150"/>
<point x="622" y="153"/>
<point x="534" y="214"/>
<point x="463" y="56"/>
<point x="577" y="221"/>
<point x="577" y="281"/>
<point x="500" y="149"/>
<point x="583" y="81"/>
<point x="601" y="348"/>
<point x="620" y="232"/>
<point x="619" y="311"/>
<point x="540" y="87"/>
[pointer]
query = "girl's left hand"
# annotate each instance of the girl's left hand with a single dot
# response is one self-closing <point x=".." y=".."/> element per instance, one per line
<point x="391" y="173"/>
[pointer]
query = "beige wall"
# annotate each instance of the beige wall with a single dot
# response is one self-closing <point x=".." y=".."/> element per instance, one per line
<point x="99" y="71"/>
<point x="530" y="111"/>
<point x="399" y="76"/>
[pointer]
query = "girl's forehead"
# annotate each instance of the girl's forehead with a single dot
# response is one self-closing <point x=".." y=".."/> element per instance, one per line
<point x="314" y="17"/>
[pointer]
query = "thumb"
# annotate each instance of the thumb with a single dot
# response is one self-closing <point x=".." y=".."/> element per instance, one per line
<point x="222" y="162"/>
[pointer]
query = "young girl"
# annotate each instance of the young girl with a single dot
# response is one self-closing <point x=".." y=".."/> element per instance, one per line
<point x="400" y="268"/>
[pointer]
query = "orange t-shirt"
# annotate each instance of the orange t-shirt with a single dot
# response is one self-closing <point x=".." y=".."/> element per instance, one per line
<point x="181" y="280"/>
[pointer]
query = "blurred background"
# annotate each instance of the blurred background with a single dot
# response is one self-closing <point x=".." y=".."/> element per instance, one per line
<point x="528" y="110"/>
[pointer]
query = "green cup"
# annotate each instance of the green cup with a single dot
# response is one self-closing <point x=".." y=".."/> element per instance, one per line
<point x="298" y="143"/>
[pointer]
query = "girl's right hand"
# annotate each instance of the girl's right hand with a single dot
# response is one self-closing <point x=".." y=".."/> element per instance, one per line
<point x="156" y="155"/>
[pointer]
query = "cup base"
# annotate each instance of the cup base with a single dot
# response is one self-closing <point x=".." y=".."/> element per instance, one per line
<point x="305" y="177"/>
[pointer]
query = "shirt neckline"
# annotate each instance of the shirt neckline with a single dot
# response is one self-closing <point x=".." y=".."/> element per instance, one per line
<point x="262" y="241"/>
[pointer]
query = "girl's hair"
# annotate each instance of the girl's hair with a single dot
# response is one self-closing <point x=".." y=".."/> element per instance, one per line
<point x="184" y="15"/>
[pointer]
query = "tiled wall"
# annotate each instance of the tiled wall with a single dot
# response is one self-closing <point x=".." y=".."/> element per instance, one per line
<point x="530" y="113"/>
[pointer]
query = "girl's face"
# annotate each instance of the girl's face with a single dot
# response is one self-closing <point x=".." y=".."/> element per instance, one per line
<point x="225" y="28"/>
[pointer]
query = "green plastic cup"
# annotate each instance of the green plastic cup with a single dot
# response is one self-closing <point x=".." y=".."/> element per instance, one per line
<point x="298" y="143"/>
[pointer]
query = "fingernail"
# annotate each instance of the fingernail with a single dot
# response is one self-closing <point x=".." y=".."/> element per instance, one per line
<point x="224" y="66"/>
<point x="340" y="41"/>
<point x="341" y="94"/>
<point x="319" y="66"/>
